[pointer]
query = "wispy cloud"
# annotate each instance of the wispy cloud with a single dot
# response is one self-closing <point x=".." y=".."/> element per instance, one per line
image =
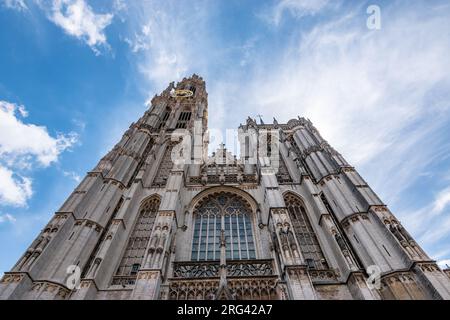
<point x="7" y="218"/>
<point x="442" y="201"/>
<point x="431" y="223"/>
<point x="19" y="5"/>
<point x="168" y="38"/>
<point x="80" y="123"/>
<point x="296" y="8"/>
<point x="73" y="175"/>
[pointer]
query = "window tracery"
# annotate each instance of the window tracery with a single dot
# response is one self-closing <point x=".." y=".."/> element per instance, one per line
<point x="223" y="211"/>
<point x="306" y="237"/>
<point x="137" y="243"/>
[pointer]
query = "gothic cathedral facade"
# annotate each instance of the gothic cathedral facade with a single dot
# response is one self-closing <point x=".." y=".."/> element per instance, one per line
<point x="288" y="219"/>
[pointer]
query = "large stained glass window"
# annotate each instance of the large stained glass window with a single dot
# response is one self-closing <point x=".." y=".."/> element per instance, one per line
<point x="231" y="213"/>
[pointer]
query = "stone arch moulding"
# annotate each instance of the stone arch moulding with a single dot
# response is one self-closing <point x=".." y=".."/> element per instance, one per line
<point x="295" y="194"/>
<point x="251" y="209"/>
<point x="210" y="191"/>
<point x="146" y="198"/>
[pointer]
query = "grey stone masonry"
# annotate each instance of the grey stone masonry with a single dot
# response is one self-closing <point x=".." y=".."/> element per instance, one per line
<point x="157" y="218"/>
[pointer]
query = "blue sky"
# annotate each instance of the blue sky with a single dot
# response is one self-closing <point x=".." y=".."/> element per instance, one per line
<point x="75" y="73"/>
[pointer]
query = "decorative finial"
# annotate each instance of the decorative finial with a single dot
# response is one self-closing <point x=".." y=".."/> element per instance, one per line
<point x="260" y="118"/>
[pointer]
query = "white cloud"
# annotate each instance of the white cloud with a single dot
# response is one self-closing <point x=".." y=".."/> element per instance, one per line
<point x="15" y="190"/>
<point x="19" y="139"/>
<point x="15" y="4"/>
<point x="21" y="145"/>
<point x="7" y="217"/>
<point x="78" y="19"/>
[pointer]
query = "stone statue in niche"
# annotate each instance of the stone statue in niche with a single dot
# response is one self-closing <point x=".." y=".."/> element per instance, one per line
<point x="293" y="244"/>
<point x="153" y="244"/>
<point x="288" y="242"/>
<point x="157" y="245"/>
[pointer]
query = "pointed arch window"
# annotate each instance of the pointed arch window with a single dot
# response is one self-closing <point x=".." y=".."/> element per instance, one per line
<point x="307" y="239"/>
<point x="137" y="243"/>
<point x="223" y="211"/>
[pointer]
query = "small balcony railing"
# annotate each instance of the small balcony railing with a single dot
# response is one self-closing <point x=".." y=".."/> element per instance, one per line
<point x="235" y="268"/>
<point x="124" y="280"/>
